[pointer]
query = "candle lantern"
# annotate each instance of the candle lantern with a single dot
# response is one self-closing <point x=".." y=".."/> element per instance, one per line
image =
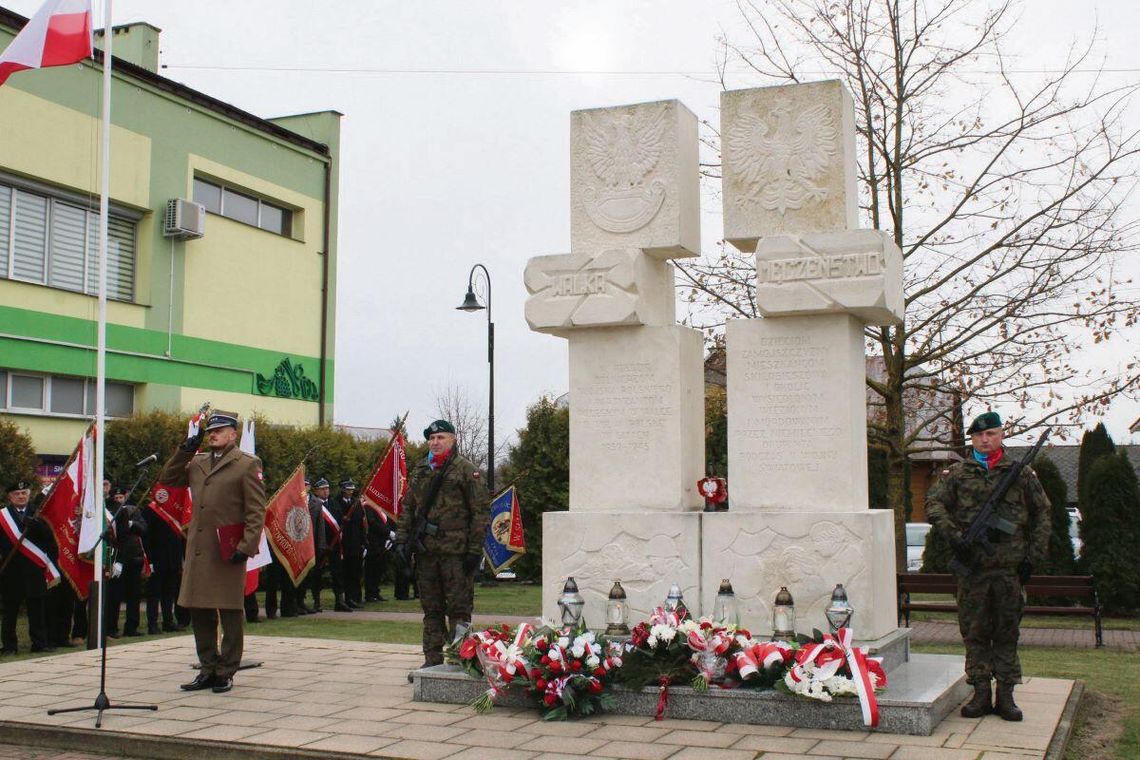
<point x="840" y="611"/>
<point x="724" y="608"/>
<point x="571" y="604"/>
<point x="784" y="616"/>
<point x="675" y="602"/>
<point x="616" y="612"/>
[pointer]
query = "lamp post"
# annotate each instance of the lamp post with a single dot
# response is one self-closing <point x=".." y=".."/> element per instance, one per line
<point x="471" y="303"/>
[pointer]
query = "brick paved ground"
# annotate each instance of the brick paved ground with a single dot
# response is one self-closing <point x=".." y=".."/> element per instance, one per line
<point x="350" y="696"/>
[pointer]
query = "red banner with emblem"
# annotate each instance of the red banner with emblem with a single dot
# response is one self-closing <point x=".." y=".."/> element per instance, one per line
<point x="172" y="504"/>
<point x="289" y="527"/>
<point x="384" y="492"/>
<point x="62" y="510"/>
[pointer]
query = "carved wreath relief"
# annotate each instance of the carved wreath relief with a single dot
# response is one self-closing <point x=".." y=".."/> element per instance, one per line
<point x="623" y="152"/>
<point x="781" y="156"/>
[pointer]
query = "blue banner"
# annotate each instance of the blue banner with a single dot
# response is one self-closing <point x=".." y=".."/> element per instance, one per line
<point x="504" y="543"/>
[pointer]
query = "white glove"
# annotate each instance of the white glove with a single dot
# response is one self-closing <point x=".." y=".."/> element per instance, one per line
<point x="193" y="426"/>
<point x="116" y="569"/>
<point x="391" y="540"/>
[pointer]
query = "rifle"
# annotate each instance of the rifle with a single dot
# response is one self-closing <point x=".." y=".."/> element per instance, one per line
<point x="987" y="518"/>
<point x="421" y="526"/>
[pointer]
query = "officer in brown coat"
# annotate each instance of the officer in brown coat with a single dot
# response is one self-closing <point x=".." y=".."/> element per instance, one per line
<point x="229" y="512"/>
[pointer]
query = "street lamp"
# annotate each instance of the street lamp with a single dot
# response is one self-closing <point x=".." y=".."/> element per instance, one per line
<point x="471" y="303"/>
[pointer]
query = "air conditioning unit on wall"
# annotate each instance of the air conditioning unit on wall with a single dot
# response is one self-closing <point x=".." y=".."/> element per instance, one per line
<point x="184" y="219"/>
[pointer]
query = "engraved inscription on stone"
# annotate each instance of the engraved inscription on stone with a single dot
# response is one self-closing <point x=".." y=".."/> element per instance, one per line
<point x="623" y="153"/>
<point x="789" y="428"/>
<point x="858" y="272"/>
<point x="781" y="155"/>
<point x="616" y="287"/>
<point x="624" y="407"/>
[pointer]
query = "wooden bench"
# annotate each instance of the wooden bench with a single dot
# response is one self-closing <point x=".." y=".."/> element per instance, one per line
<point x="1079" y="587"/>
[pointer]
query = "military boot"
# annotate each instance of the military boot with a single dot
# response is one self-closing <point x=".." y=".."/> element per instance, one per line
<point x="339" y="605"/>
<point x="1005" y="706"/>
<point x="980" y="704"/>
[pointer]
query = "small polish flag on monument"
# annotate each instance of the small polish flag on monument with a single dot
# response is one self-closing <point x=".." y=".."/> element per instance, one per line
<point x="58" y="35"/>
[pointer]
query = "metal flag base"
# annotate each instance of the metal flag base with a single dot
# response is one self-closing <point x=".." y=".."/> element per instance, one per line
<point x="245" y="665"/>
<point x="102" y="702"/>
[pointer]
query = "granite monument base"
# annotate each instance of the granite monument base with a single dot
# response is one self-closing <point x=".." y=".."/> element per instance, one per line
<point x="920" y="694"/>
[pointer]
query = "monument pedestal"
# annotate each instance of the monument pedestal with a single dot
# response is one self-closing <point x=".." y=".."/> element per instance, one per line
<point x="809" y="553"/>
<point x="647" y="551"/>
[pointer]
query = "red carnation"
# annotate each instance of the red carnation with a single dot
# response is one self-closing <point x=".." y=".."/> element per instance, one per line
<point x="545" y="659"/>
<point x="549" y="699"/>
<point x="595" y="687"/>
<point x="540" y="683"/>
<point x="541" y="645"/>
<point x="535" y="672"/>
<point x="599" y="671"/>
<point x="575" y="665"/>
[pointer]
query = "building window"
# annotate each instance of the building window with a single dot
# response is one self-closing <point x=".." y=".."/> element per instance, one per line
<point x="50" y="241"/>
<point x="243" y="207"/>
<point x="60" y="395"/>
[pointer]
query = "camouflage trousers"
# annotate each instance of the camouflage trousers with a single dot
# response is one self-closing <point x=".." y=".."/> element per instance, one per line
<point x="989" y="616"/>
<point x="447" y="595"/>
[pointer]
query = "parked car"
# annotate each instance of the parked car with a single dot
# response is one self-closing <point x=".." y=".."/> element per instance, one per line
<point x="915" y="542"/>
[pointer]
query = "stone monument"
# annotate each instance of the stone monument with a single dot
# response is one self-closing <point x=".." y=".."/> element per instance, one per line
<point x="797" y="417"/>
<point x="636" y="379"/>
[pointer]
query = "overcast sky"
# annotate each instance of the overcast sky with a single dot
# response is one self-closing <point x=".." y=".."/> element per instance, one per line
<point x="455" y="150"/>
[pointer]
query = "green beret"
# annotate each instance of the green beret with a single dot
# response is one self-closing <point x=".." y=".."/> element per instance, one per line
<point x="984" y="421"/>
<point x="439" y="426"/>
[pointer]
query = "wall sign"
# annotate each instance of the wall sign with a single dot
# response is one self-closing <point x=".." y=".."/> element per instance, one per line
<point x="288" y="381"/>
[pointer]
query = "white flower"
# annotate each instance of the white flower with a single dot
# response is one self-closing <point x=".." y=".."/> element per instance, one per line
<point x="651" y="641"/>
<point x="564" y="642"/>
<point x="663" y="632"/>
<point x="592" y="662"/>
<point x="578" y="649"/>
<point x="588" y="637"/>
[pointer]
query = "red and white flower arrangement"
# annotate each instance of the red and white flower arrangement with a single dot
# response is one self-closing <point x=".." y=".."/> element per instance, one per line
<point x="569" y="672"/>
<point x="829" y="666"/>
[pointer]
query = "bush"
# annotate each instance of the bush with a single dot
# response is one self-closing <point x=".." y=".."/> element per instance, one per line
<point x="1095" y="443"/>
<point x="17" y="456"/>
<point x="936" y="553"/>
<point x="1111" y="533"/>
<point x="1059" y="558"/>
<point x="539" y="466"/>
<point x="137" y="437"/>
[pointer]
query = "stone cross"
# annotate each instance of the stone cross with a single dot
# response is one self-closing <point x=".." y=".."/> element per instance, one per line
<point x="636" y="379"/>
<point x="797" y="430"/>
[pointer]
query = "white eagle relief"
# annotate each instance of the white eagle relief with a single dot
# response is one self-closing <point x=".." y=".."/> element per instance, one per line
<point x="781" y="157"/>
<point x="622" y="152"/>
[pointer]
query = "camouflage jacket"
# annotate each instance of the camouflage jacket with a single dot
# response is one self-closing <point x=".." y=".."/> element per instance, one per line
<point x="961" y="491"/>
<point x="461" y="510"/>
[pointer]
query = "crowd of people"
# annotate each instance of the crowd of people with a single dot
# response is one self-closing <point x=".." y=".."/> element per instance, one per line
<point x="189" y="577"/>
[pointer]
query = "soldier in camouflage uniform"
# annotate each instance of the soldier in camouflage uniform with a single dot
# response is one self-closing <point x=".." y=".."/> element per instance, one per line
<point x="447" y="561"/>
<point x="990" y="599"/>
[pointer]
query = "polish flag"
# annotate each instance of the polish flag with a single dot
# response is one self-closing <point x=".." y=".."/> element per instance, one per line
<point x="58" y="35"/>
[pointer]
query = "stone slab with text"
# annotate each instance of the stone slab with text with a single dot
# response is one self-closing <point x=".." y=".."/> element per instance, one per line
<point x="797" y="414"/>
<point x="788" y="161"/>
<point x="648" y="551"/>
<point x="637" y="419"/>
<point x="634" y="180"/>
<point x="616" y="287"/>
<point x="761" y="552"/>
<point x="857" y="272"/>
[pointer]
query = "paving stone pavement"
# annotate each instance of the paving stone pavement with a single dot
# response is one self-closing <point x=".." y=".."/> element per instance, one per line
<point x="316" y="696"/>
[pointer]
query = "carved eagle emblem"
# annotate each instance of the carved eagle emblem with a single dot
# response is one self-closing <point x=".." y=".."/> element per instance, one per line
<point x="622" y="150"/>
<point x="780" y="157"/>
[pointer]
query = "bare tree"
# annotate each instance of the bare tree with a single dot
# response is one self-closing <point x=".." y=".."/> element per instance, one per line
<point x="1005" y="191"/>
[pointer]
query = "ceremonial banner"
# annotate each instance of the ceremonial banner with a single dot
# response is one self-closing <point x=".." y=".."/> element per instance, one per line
<point x="12" y="532"/>
<point x="505" y="542"/>
<point x="62" y="510"/>
<point x="384" y="491"/>
<point x="248" y="444"/>
<point x="172" y="505"/>
<point x="289" y="527"/>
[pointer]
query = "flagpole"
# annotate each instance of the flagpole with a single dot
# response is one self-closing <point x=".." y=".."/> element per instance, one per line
<point x="101" y="349"/>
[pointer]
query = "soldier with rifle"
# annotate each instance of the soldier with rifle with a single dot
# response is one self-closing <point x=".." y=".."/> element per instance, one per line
<point x="995" y="515"/>
<point x="443" y="524"/>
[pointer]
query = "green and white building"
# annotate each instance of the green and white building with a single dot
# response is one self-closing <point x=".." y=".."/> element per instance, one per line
<point x="232" y="301"/>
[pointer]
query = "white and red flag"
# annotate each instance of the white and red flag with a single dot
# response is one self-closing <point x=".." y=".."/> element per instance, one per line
<point x="11" y="531"/>
<point x="290" y="528"/>
<point x="384" y="491"/>
<point x="58" y="34"/>
<point x="248" y="444"/>
<point x="63" y="512"/>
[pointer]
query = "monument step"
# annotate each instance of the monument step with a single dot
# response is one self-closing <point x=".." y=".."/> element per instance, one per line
<point x="920" y="694"/>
